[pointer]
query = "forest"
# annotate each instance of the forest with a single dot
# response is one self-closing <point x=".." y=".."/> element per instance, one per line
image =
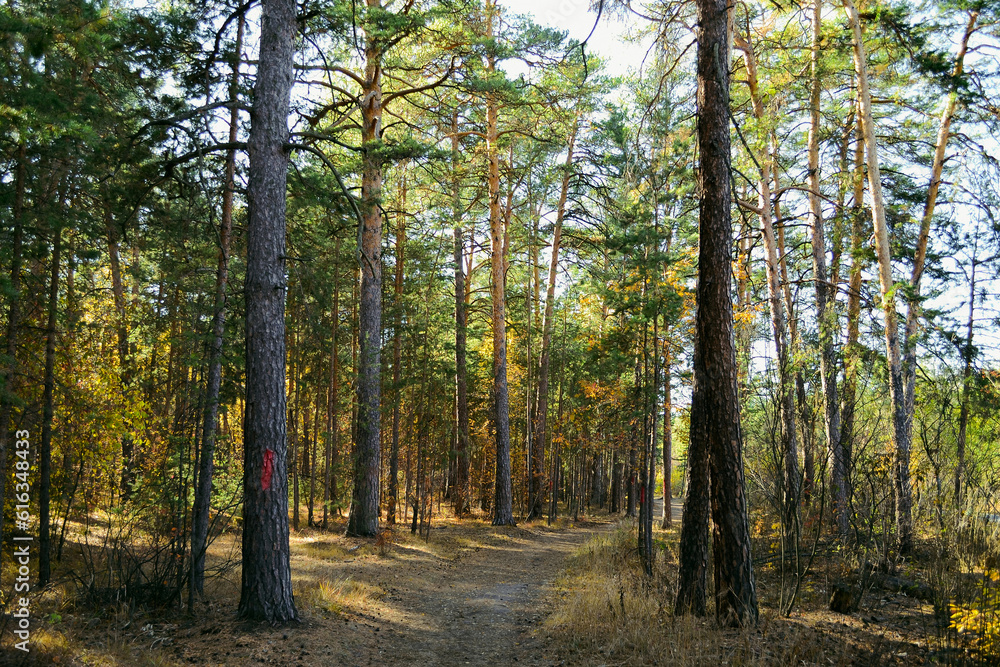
<point x="423" y="332"/>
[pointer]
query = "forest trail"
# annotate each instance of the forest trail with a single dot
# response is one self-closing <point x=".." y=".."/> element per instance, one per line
<point x="474" y="594"/>
<point x="481" y="607"/>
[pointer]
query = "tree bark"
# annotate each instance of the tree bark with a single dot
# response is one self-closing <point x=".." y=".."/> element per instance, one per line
<point x="901" y="436"/>
<point x="364" y="516"/>
<point x="963" y="415"/>
<point x="266" y="592"/>
<point x="203" y="490"/>
<point x="503" y="513"/>
<point x="715" y="412"/>
<point x="461" y="387"/>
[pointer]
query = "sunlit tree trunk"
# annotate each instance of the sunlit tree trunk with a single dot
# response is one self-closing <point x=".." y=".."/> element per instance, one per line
<point x="503" y="513"/>
<point x="901" y="436"/>
<point x="913" y="298"/>
<point x="364" y="515"/>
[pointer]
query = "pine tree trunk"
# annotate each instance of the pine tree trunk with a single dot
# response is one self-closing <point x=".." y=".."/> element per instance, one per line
<point x="715" y="417"/>
<point x="901" y="436"/>
<point x="13" y="316"/>
<point x="852" y="351"/>
<point x="203" y="490"/>
<point x="363" y="519"/>
<point x="963" y="416"/>
<point x="266" y="592"/>
<point x="124" y="359"/>
<point x="45" y="451"/>
<point x="913" y="296"/>
<point x="775" y="293"/>
<point x="825" y="311"/>
<point x="503" y="514"/>
<point x="397" y="357"/>
<point x="667" y="518"/>
<point x="462" y="491"/>
<point x="333" y="405"/>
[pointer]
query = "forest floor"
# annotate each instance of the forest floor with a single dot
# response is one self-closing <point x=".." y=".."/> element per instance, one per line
<point x="475" y="594"/>
<point x="469" y="595"/>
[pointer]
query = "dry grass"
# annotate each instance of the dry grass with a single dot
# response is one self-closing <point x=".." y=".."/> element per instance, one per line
<point x="609" y="612"/>
<point x="337" y="595"/>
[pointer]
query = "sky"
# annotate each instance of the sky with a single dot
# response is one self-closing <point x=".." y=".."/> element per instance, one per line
<point x="609" y="39"/>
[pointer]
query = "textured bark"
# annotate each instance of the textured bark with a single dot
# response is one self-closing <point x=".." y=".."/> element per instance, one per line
<point x="13" y="317"/>
<point x="715" y="417"/>
<point x="503" y="513"/>
<point x="45" y="451"/>
<point x="825" y="313"/>
<point x="397" y="356"/>
<point x="266" y="592"/>
<point x="364" y="516"/>
<point x="901" y="435"/>
<point x="541" y="411"/>
<point x="203" y="490"/>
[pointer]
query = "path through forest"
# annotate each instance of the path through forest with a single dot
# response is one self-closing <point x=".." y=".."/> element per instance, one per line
<point x="480" y="608"/>
<point x="473" y="595"/>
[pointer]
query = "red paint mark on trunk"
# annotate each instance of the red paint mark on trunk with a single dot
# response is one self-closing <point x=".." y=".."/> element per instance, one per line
<point x="268" y="470"/>
<point x="642" y="495"/>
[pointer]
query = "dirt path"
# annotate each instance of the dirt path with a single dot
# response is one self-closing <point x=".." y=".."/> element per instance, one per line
<point x="480" y="608"/>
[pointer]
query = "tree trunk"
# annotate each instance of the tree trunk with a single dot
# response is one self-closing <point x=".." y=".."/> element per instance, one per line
<point x="715" y="417"/>
<point x="461" y="388"/>
<point x="397" y="356"/>
<point x="45" y="451"/>
<point x="825" y="311"/>
<point x="786" y="396"/>
<point x="203" y="491"/>
<point x="852" y="351"/>
<point x="503" y="514"/>
<point x="333" y="405"/>
<point x="266" y="593"/>
<point x="963" y="417"/>
<point x="913" y="298"/>
<point x="363" y="519"/>
<point x="541" y="411"/>
<point x="124" y="360"/>
<point x="667" y="518"/>
<point x="901" y="436"/>
<point x="13" y="315"/>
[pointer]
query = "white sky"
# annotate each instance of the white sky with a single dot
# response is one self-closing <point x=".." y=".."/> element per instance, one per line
<point x="609" y="39"/>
